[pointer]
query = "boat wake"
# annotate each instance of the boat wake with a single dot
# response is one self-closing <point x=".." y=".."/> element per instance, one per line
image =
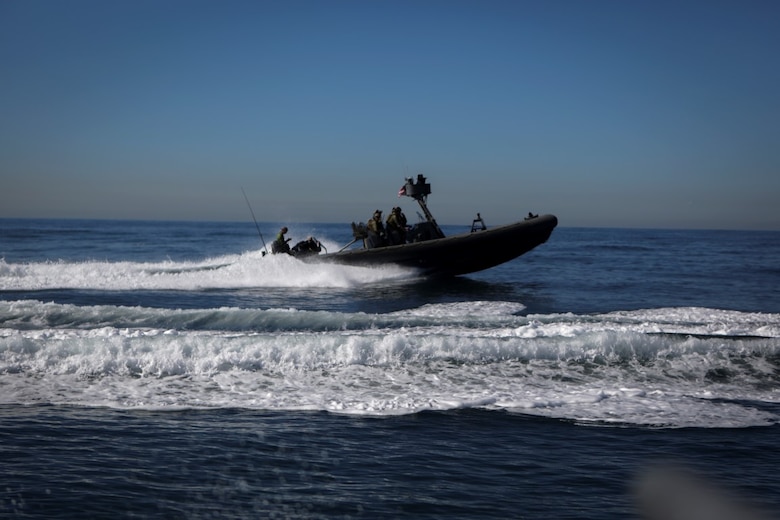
<point x="248" y="270"/>
<point x="676" y="367"/>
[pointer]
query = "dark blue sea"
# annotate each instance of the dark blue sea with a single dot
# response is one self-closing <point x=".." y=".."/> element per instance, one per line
<point x="170" y="370"/>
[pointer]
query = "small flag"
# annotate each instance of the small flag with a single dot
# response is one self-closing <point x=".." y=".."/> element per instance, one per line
<point x="402" y="191"/>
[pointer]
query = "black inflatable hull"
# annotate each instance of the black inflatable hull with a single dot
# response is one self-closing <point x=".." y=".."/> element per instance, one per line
<point x="455" y="255"/>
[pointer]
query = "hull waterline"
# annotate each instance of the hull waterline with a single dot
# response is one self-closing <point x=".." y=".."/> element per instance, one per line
<point x="457" y="254"/>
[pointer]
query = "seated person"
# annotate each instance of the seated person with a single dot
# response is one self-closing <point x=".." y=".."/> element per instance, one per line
<point x="396" y="227"/>
<point x="376" y="231"/>
<point x="280" y="245"/>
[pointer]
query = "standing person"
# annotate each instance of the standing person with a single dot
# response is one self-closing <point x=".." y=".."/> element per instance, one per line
<point x="376" y="231"/>
<point x="396" y="227"/>
<point x="280" y="245"/>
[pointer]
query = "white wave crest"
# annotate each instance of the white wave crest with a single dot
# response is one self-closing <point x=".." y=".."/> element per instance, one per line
<point x="632" y="368"/>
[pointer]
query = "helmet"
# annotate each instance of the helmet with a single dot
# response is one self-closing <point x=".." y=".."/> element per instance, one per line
<point x="284" y="229"/>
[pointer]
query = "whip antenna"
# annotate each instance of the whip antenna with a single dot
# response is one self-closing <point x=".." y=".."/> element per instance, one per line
<point x="255" y="220"/>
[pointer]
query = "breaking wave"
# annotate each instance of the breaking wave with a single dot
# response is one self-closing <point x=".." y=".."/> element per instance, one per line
<point x="671" y="367"/>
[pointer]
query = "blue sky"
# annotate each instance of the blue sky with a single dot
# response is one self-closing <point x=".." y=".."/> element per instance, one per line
<point x="604" y="113"/>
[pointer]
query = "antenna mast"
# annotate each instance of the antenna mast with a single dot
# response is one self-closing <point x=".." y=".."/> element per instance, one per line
<point x="420" y="192"/>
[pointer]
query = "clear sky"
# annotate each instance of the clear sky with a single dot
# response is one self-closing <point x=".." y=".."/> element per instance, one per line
<point x="604" y="113"/>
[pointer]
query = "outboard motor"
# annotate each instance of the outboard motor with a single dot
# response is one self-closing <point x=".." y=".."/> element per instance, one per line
<point x="310" y="246"/>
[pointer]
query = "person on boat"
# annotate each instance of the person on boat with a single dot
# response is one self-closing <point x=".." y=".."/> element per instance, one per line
<point x="280" y="245"/>
<point x="396" y="227"/>
<point x="376" y="231"/>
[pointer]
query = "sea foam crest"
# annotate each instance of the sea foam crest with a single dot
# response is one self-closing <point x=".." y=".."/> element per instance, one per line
<point x="465" y="309"/>
<point x="495" y="318"/>
<point x="597" y="378"/>
<point x="670" y="367"/>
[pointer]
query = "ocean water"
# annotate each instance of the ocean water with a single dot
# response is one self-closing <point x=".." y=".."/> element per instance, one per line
<point x="170" y="370"/>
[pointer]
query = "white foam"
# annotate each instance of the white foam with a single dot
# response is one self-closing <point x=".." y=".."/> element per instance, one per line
<point x="231" y="271"/>
<point x="619" y="367"/>
<point x="466" y="309"/>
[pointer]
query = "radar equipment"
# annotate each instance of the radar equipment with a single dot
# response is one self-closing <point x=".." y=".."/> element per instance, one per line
<point x="420" y="192"/>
